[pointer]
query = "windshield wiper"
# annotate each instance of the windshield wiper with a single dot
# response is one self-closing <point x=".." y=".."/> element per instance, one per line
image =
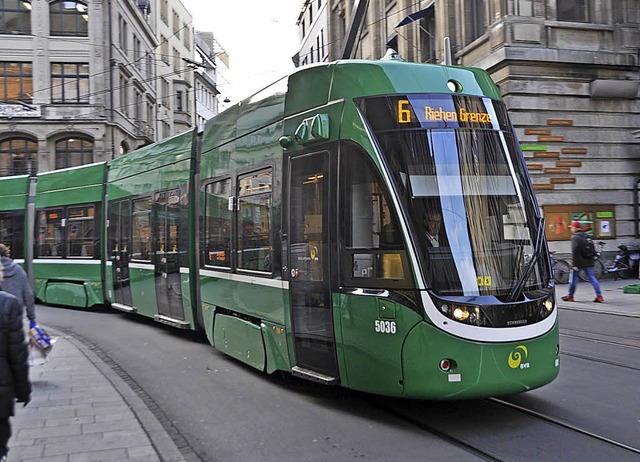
<point x="516" y="291"/>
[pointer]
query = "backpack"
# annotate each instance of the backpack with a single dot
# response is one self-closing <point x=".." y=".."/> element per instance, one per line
<point x="589" y="249"/>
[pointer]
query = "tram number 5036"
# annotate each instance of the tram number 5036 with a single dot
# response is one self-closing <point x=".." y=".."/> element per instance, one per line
<point x="385" y="327"/>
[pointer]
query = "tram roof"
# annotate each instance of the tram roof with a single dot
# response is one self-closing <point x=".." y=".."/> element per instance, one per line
<point x="319" y="84"/>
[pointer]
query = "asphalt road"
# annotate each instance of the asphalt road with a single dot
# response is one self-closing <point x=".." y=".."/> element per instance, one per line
<point x="226" y="411"/>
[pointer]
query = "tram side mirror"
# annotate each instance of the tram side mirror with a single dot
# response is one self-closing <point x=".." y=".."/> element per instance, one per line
<point x="315" y="128"/>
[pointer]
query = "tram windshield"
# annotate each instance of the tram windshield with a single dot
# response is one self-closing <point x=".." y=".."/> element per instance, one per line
<point x="462" y="182"/>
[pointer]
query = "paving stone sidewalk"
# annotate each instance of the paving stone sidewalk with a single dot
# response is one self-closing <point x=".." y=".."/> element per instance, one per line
<point x="81" y="410"/>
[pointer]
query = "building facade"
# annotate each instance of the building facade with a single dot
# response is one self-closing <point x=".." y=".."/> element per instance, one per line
<point x="569" y="73"/>
<point x="211" y="62"/>
<point x="72" y="89"/>
<point x="312" y="29"/>
<point x="174" y="81"/>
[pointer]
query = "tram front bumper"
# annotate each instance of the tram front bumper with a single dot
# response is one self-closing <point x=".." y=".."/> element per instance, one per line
<point x="437" y="365"/>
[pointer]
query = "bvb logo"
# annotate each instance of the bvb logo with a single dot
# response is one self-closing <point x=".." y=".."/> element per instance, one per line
<point x="517" y="356"/>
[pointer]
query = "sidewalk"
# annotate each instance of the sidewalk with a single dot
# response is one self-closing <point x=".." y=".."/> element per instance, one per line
<point x="81" y="410"/>
<point x="615" y="300"/>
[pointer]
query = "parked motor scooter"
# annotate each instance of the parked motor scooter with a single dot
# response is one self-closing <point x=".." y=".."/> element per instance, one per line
<point x="625" y="264"/>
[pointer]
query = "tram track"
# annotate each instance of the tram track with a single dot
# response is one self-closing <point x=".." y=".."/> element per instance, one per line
<point x="514" y="422"/>
<point x="560" y="423"/>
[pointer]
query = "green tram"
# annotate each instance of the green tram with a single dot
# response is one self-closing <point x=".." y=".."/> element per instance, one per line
<point x="368" y="224"/>
<point x="67" y="234"/>
<point x="293" y="232"/>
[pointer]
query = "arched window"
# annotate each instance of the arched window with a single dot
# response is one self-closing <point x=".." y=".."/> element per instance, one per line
<point x="124" y="148"/>
<point x="72" y="152"/>
<point x="69" y="18"/>
<point x="15" y="17"/>
<point x="18" y="156"/>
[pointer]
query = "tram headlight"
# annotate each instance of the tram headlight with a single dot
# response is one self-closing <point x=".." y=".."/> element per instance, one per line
<point x="460" y="313"/>
<point x="548" y="304"/>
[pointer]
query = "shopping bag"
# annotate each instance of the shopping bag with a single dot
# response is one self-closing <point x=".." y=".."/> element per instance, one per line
<point x="39" y="339"/>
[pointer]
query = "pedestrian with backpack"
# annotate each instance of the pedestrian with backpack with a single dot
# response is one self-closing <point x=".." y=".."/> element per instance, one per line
<point x="17" y="284"/>
<point x="583" y="253"/>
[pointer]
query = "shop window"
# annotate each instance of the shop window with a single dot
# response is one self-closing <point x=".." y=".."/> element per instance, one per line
<point x="598" y="221"/>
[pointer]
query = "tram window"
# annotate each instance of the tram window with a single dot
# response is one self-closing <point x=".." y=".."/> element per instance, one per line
<point x="50" y="242"/>
<point x="217" y="224"/>
<point x="374" y="253"/>
<point x="141" y="226"/>
<point x="119" y="228"/>
<point x="80" y="231"/>
<point x="254" y="221"/>
<point x="12" y="232"/>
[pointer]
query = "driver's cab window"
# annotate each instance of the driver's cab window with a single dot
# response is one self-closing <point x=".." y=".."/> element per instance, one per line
<point x="374" y="251"/>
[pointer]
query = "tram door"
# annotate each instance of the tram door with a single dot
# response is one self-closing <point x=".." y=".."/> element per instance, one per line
<point x="167" y="253"/>
<point x="119" y="235"/>
<point x="309" y="286"/>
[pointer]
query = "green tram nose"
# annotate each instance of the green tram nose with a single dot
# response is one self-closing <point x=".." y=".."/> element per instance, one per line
<point x="437" y="365"/>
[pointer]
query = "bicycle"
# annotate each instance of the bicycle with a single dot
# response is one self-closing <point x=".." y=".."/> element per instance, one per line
<point x="623" y="266"/>
<point x="561" y="269"/>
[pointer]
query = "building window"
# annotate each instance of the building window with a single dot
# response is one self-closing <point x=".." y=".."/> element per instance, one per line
<point x="16" y="82"/>
<point x="177" y="63"/>
<point x="123" y="34"/>
<point x="477" y="22"/>
<point x="165" y="92"/>
<point x="124" y="95"/>
<point x="73" y="152"/>
<point x="187" y="37"/>
<point x="164" y="11"/>
<point x="164" y="49"/>
<point x="69" y="18"/>
<point x="70" y="83"/>
<point x="427" y="37"/>
<point x="138" y="109"/>
<point x="15" y="17"/>
<point x="180" y="101"/>
<point x="176" y="24"/>
<point x="573" y="10"/>
<point x="18" y="156"/>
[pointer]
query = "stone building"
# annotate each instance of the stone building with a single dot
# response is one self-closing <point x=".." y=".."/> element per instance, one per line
<point x="569" y="73"/>
<point x="74" y="82"/>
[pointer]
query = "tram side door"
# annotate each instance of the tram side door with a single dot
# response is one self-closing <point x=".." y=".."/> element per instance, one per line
<point x="310" y="282"/>
<point x="168" y="225"/>
<point x="119" y="236"/>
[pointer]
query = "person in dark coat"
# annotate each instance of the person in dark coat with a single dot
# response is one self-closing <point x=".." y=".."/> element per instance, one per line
<point x="14" y="369"/>
<point x="17" y="284"/>
<point x="581" y="263"/>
